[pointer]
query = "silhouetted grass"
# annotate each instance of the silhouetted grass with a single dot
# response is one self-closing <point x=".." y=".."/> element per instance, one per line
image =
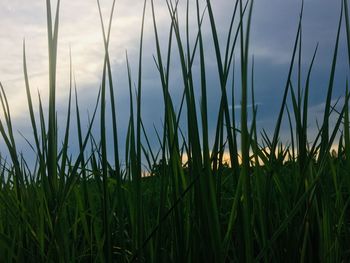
<point x="277" y="202"/>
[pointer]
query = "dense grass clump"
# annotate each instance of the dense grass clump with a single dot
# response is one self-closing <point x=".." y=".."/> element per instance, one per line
<point x="273" y="202"/>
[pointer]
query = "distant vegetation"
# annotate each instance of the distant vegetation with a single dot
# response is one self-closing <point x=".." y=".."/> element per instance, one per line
<point x="276" y="202"/>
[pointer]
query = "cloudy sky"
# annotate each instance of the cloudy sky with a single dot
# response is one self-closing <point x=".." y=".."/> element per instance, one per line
<point x="274" y="27"/>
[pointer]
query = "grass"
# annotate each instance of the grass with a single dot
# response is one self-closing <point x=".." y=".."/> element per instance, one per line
<point x="277" y="202"/>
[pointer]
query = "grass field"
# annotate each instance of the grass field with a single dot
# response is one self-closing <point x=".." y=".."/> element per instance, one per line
<point x="275" y="202"/>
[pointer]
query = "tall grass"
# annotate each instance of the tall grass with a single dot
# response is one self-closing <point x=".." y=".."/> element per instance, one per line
<point x="276" y="202"/>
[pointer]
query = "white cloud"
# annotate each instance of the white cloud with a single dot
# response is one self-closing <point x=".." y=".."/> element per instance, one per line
<point x="80" y="30"/>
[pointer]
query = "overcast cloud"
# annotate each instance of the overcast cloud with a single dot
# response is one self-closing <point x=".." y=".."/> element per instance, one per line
<point x="274" y="28"/>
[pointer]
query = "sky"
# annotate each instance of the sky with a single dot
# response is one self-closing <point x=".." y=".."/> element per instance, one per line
<point x="274" y="27"/>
